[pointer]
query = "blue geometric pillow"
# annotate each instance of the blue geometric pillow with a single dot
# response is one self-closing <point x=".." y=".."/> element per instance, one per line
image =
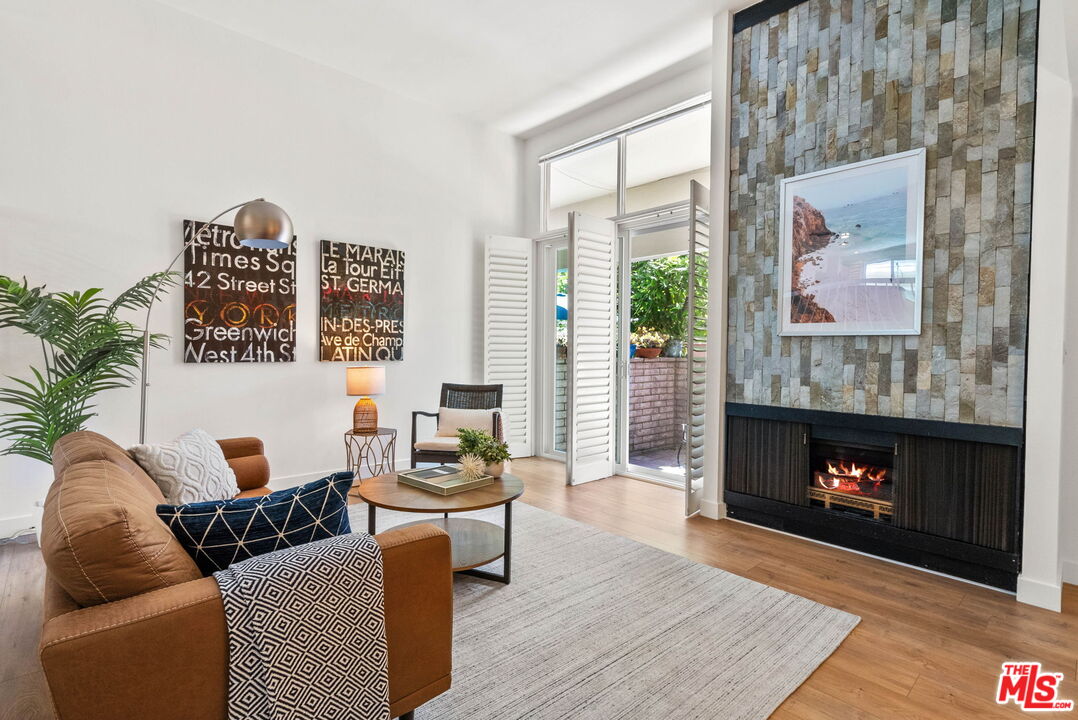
<point x="220" y="533"/>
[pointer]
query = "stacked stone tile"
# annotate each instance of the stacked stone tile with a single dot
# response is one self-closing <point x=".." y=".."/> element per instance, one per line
<point x="831" y="82"/>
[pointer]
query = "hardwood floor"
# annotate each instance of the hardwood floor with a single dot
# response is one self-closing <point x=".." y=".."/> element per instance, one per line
<point x="927" y="647"/>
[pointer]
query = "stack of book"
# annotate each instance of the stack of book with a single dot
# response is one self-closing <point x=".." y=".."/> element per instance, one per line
<point x="442" y="480"/>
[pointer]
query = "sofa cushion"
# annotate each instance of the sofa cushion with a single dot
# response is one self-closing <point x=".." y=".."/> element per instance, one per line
<point x="100" y="536"/>
<point x="218" y="534"/>
<point x="191" y="468"/>
<point x="452" y="419"/>
<point x="84" y="445"/>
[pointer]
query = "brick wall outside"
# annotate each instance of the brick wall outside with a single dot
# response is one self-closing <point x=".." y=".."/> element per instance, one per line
<point x="560" y="391"/>
<point x="658" y="399"/>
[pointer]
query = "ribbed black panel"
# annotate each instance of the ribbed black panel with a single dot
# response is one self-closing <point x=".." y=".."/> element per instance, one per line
<point x="960" y="490"/>
<point x="768" y="458"/>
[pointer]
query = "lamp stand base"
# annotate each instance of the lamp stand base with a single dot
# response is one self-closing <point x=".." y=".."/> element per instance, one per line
<point x="365" y="416"/>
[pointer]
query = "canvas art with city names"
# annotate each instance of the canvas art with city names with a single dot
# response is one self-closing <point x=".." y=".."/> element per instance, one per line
<point x="361" y="309"/>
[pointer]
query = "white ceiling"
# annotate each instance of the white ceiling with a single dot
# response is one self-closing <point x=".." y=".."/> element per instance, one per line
<point x="513" y="64"/>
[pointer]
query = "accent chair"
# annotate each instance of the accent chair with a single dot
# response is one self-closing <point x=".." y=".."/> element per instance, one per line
<point x="458" y="397"/>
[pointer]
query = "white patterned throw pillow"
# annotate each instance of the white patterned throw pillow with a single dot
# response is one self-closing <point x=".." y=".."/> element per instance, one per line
<point x="191" y="468"/>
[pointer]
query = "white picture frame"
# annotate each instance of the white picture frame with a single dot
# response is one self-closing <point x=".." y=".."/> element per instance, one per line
<point x="864" y="276"/>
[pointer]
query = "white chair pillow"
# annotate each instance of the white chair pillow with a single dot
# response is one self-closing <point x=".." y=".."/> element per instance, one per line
<point x="191" y="468"/>
<point x="452" y="419"/>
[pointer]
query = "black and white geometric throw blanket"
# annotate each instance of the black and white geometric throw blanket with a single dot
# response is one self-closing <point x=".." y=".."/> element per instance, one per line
<point x="306" y="633"/>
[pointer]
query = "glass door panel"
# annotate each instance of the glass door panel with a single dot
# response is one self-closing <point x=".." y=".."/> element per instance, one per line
<point x="560" y="313"/>
<point x="656" y="402"/>
<point x="552" y="338"/>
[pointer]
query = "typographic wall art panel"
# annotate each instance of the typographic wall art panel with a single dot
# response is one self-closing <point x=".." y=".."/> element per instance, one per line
<point x="361" y="311"/>
<point x="239" y="302"/>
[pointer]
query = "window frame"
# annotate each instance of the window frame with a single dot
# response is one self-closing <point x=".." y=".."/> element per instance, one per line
<point x="621" y="135"/>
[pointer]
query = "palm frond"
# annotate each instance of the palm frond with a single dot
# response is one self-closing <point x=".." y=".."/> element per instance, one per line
<point x="141" y="294"/>
<point x="87" y="351"/>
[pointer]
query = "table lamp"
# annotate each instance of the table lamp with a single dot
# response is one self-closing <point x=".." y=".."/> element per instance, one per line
<point x="365" y="381"/>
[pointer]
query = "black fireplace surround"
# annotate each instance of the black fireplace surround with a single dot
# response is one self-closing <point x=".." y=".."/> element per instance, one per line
<point x="938" y="495"/>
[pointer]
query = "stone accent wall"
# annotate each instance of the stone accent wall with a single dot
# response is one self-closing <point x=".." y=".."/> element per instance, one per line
<point x="831" y="82"/>
<point x="658" y="398"/>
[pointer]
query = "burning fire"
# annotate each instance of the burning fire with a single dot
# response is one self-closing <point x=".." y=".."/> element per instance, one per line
<point x="852" y="478"/>
<point x="864" y="472"/>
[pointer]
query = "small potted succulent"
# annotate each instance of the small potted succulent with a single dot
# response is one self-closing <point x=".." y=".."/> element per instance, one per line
<point x="649" y="342"/>
<point x="484" y="445"/>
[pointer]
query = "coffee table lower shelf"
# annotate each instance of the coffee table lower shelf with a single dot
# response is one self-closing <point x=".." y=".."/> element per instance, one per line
<point x="476" y="543"/>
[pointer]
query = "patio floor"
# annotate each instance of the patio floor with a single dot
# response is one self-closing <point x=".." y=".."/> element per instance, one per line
<point x="664" y="460"/>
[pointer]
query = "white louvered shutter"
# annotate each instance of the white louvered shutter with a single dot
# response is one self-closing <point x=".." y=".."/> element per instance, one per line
<point x="593" y="272"/>
<point x="507" y="355"/>
<point x="696" y="377"/>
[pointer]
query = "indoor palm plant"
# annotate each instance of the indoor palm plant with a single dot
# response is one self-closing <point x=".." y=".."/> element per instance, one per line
<point x="482" y="444"/>
<point x="85" y="349"/>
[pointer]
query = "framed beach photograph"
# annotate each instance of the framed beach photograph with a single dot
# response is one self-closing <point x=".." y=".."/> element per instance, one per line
<point x="851" y="248"/>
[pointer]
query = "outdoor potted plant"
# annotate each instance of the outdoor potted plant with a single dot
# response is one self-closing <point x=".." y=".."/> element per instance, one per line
<point x="649" y="342"/>
<point x="484" y="445"/>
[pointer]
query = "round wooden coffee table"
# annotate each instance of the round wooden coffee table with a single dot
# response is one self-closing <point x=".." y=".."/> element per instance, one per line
<point x="475" y="542"/>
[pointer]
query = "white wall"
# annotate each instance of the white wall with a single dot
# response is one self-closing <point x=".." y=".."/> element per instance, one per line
<point x="712" y="502"/>
<point x="1069" y="455"/>
<point x="1052" y="391"/>
<point x="123" y="117"/>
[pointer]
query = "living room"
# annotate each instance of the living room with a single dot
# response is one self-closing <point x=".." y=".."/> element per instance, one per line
<point x="445" y="408"/>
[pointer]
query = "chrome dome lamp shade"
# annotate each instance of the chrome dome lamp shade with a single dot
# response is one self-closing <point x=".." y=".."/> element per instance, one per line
<point x="261" y="224"/>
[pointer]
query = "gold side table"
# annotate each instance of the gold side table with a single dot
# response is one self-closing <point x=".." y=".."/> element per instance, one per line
<point x="371" y="453"/>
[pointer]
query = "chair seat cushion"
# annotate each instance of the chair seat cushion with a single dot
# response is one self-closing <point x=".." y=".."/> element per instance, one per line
<point x="439" y="444"/>
<point x="219" y="533"/>
<point x="452" y="419"/>
<point x="191" y="468"/>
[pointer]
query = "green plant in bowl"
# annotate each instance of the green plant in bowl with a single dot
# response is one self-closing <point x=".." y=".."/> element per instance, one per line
<point x="483" y="444"/>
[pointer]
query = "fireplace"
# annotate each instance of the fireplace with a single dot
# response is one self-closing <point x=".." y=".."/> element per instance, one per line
<point x="852" y="477"/>
<point x="943" y="496"/>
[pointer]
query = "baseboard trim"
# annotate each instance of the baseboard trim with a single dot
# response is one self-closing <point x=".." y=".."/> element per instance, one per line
<point x="1040" y="594"/>
<point x="284" y="482"/>
<point x="1070" y="572"/>
<point x="712" y="509"/>
<point x="16" y="525"/>
<point x="289" y="481"/>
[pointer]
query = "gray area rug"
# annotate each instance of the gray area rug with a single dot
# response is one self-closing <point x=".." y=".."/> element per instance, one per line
<point x="595" y="626"/>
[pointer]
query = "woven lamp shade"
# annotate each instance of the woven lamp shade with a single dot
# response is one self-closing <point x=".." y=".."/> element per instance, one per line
<point x="365" y="381"/>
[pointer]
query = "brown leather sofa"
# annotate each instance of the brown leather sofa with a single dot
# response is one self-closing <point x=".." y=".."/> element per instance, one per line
<point x="132" y="629"/>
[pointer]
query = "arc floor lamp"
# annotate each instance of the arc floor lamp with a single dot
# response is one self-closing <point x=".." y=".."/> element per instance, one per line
<point x="259" y="224"/>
